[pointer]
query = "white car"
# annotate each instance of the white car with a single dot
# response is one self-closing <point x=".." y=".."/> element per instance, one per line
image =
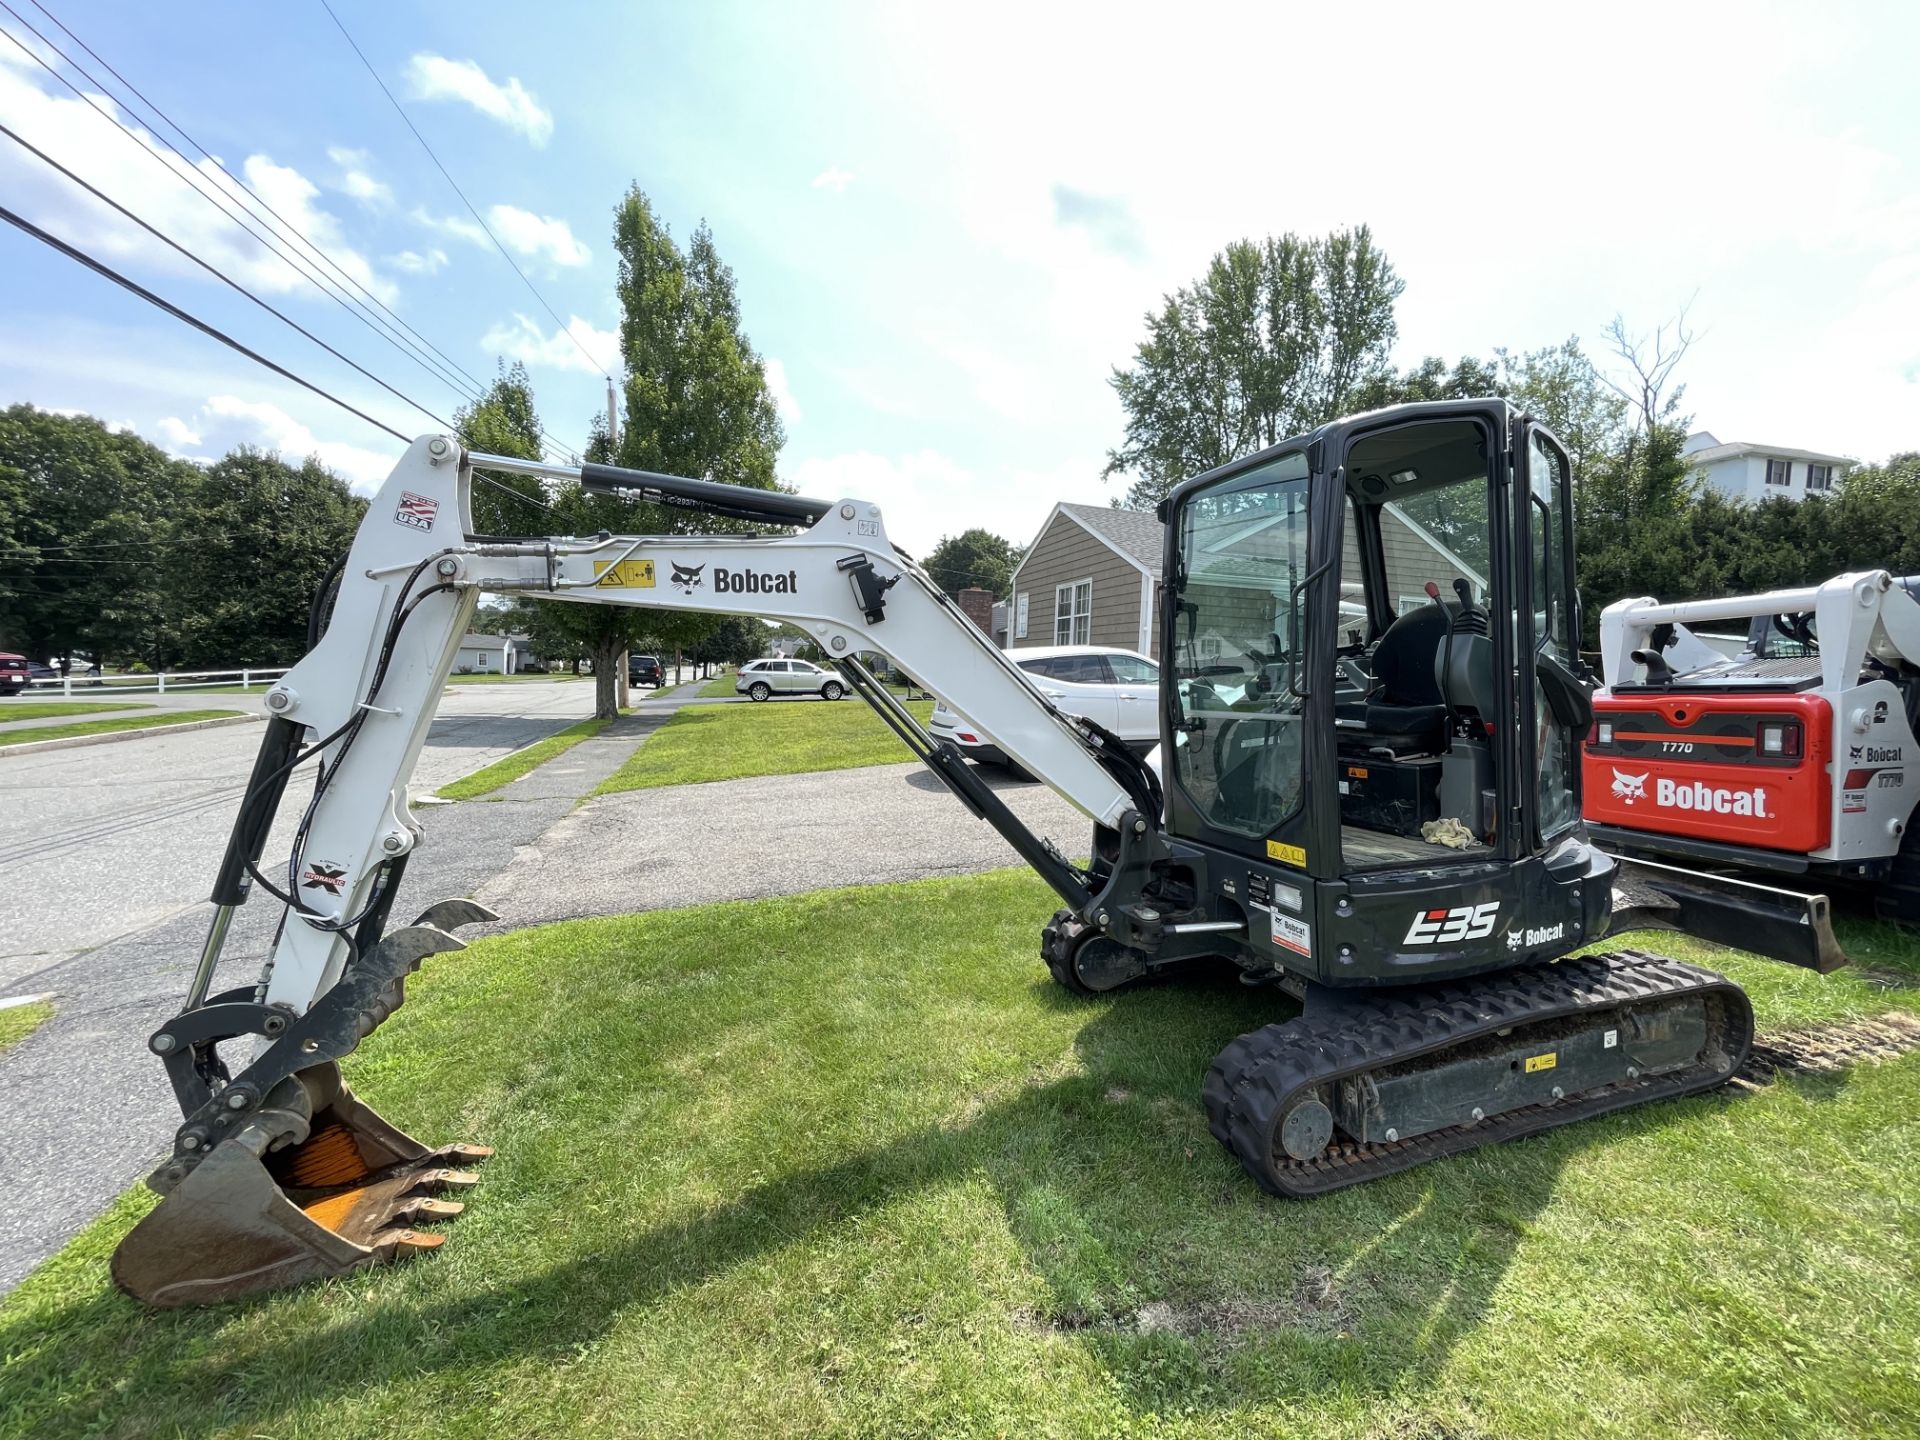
<point x="763" y="679"/>
<point x="1119" y="689"/>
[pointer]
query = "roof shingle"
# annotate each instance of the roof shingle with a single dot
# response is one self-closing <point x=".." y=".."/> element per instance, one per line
<point x="1134" y="533"/>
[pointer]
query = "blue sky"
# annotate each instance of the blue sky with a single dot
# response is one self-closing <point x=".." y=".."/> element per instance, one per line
<point x="947" y="222"/>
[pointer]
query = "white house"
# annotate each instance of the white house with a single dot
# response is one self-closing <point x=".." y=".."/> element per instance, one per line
<point x="487" y="655"/>
<point x="1757" y="472"/>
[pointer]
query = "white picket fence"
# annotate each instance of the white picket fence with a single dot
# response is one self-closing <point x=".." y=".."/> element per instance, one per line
<point x="160" y="683"/>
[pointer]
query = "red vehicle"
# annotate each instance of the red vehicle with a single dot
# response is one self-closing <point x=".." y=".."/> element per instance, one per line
<point x="14" y="673"/>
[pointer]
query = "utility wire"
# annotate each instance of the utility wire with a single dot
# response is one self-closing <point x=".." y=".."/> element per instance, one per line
<point x="561" y="325"/>
<point x="20" y="222"/>
<point x="247" y="193"/>
<point x="192" y="177"/>
<point x="222" y="277"/>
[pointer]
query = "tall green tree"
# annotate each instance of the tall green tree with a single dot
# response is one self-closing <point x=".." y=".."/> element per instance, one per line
<point x="503" y="421"/>
<point x="265" y="531"/>
<point x="975" y="557"/>
<point x="93" y="522"/>
<point x="1276" y="337"/>
<point x="697" y="404"/>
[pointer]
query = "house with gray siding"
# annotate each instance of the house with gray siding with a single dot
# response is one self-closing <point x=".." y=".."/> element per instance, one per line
<point x="1090" y="577"/>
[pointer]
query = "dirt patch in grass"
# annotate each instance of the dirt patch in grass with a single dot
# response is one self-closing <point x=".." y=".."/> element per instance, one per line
<point x="1838" y="1046"/>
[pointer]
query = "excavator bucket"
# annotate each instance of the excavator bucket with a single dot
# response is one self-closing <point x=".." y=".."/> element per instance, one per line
<point x="249" y="1218"/>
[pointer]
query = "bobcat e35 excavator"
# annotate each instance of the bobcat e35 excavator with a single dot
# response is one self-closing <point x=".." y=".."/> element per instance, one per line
<point x="1371" y="713"/>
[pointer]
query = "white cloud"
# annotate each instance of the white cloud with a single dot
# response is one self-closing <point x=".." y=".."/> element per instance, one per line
<point x="457" y="226"/>
<point x="525" y="340"/>
<point x="835" y="179"/>
<point x="925" y="494"/>
<point x="261" y="422"/>
<point x="434" y="77"/>
<point x="414" y="263"/>
<point x="176" y="433"/>
<point x="355" y="180"/>
<point x="159" y="187"/>
<point x="537" y="235"/>
<point x="782" y="393"/>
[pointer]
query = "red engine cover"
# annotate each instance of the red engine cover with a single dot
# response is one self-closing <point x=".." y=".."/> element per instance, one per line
<point x="1691" y="765"/>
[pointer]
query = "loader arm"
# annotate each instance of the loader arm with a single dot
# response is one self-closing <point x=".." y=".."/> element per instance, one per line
<point x="277" y="1169"/>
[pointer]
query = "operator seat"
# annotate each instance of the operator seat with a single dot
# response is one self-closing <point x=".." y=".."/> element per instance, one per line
<point x="1407" y="712"/>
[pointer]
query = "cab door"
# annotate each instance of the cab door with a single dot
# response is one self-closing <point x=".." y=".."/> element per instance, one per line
<point x="1556" y="706"/>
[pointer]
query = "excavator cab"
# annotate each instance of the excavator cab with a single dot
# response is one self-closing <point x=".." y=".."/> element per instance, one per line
<point x="1374" y="700"/>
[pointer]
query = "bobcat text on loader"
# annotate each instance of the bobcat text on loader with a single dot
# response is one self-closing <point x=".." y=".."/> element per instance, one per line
<point x="1368" y="798"/>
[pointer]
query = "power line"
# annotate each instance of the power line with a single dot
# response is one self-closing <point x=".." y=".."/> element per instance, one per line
<point x="561" y="325"/>
<point x="74" y="253"/>
<point x="249" y="194"/>
<point x="222" y="277"/>
<point x="326" y="287"/>
<point x="192" y="178"/>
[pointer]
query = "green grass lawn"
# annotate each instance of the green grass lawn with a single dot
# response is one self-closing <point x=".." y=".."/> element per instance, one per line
<point x="848" y="1163"/>
<point x="509" y="768"/>
<point x="103" y="727"/>
<point x="19" y="1021"/>
<point x="37" y="710"/>
<point x="728" y="742"/>
<point x="721" y="684"/>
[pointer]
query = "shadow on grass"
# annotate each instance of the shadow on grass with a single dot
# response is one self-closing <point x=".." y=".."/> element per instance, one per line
<point x="1188" y="1286"/>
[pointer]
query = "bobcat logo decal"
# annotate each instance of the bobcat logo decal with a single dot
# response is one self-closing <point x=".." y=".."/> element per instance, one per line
<point x="687" y="577"/>
<point x="1629" y="788"/>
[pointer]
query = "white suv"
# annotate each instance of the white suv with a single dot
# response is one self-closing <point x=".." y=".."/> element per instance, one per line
<point x="763" y="679"/>
<point x="1120" y="689"/>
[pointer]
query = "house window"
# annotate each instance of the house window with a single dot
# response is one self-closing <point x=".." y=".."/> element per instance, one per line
<point x="1819" y="477"/>
<point x="1073" y="613"/>
<point x="1779" y="472"/>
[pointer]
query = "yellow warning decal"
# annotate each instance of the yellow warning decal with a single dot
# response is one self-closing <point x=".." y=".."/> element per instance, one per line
<point x="1287" y="854"/>
<point x="1358" y="772"/>
<point x="633" y="574"/>
<point x="1543" y="1062"/>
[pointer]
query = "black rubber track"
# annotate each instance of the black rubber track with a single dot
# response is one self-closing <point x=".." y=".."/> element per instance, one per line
<point x="1255" y="1079"/>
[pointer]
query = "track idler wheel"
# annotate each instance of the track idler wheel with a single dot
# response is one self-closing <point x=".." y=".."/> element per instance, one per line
<point x="344" y="1190"/>
<point x="1083" y="960"/>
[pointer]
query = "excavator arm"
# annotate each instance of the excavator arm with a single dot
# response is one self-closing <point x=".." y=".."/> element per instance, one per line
<point x="278" y="1174"/>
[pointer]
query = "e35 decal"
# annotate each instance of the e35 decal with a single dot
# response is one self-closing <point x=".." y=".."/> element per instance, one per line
<point x="1462" y="922"/>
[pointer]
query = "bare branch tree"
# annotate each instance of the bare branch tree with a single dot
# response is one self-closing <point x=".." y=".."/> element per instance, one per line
<point x="1652" y="359"/>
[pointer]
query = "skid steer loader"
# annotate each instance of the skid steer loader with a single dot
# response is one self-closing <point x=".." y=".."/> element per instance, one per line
<point x="1370" y="714"/>
<point x="1786" y="758"/>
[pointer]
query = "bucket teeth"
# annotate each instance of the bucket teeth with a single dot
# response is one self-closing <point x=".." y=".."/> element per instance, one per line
<point x="433" y="1210"/>
<point x="349" y="1196"/>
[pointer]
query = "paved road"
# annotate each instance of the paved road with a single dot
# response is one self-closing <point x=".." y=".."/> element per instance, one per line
<point x="772" y="835"/>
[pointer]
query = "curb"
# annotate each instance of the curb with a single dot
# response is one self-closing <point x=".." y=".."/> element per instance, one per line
<point x="13" y="1001"/>
<point x="75" y="742"/>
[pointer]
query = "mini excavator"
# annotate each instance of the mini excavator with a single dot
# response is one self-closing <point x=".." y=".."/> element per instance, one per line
<point x="1367" y="796"/>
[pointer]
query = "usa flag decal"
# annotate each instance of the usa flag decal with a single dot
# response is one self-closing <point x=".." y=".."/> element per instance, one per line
<point x="416" y="511"/>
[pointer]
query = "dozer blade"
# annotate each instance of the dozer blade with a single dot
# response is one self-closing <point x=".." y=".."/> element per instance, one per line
<point x="249" y="1218"/>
